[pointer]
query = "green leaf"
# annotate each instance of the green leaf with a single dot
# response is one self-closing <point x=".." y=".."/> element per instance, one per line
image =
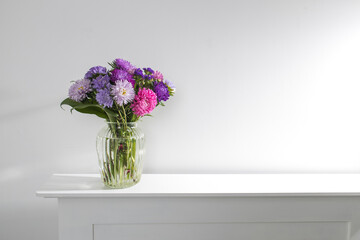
<point x="110" y="112"/>
<point x="90" y="108"/>
<point x="69" y="102"/>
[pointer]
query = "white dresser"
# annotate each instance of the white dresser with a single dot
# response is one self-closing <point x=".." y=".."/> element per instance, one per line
<point x="209" y="207"/>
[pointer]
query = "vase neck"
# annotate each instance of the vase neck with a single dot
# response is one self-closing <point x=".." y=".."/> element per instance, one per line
<point x="122" y="125"/>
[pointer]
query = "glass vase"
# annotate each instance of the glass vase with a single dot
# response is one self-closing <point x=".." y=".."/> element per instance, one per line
<point x="120" y="148"/>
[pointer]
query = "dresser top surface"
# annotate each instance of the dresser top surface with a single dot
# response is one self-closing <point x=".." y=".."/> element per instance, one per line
<point x="205" y="185"/>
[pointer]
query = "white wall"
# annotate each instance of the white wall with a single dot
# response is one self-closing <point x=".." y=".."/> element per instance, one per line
<point x="262" y="86"/>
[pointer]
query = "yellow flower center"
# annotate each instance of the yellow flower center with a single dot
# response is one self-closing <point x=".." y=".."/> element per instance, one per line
<point x="123" y="92"/>
<point x="81" y="88"/>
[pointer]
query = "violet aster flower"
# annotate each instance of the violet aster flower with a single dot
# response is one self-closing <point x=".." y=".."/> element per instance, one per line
<point x="148" y="77"/>
<point x="101" y="82"/>
<point x="123" y="92"/>
<point x="148" y="70"/>
<point x="104" y="99"/>
<point x="79" y="89"/>
<point x="124" y="65"/>
<point x="158" y="75"/>
<point x="170" y="85"/>
<point x="162" y="91"/>
<point x="95" y="70"/>
<point x="145" y="101"/>
<point x="138" y="72"/>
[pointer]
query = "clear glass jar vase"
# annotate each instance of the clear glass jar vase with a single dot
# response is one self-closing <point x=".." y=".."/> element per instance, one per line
<point x="120" y="148"/>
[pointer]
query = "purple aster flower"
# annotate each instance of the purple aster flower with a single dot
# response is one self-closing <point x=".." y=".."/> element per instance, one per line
<point x="79" y="89"/>
<point x="138" y="72"/>
<point x="104" y="99"/>
<point x="118" y="74"/>
<point x="148" y="77"/>
<point x="95" y="70"/>
<point x="123" y="92"/>
<point x="124" y="65"/>
<point x="170" y="85"/>
<point x="162" y="91"/>
<point x="148" y="70"/>
<point x="101" y="82"/>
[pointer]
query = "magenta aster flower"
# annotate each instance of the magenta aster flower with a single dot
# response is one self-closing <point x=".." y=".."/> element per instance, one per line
<point x="123" y="92"/>
<point x="145" y="101"/>
<point x="158" y="76"/>
<point x="79" y="89"/>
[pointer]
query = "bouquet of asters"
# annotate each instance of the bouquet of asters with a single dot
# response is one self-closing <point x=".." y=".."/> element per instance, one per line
<point x="121" y="95"/>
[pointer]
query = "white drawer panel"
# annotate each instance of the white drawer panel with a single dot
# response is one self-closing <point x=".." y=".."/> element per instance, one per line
<point x="226" y="231"/>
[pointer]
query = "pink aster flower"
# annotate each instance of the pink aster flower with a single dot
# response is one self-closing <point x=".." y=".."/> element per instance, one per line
<point x="145" y="101"/>
<point x="158" y="75"/>
<point x="123" y="92"/>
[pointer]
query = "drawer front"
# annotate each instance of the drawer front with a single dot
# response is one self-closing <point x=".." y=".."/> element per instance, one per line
<point x="226" y="231"/>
